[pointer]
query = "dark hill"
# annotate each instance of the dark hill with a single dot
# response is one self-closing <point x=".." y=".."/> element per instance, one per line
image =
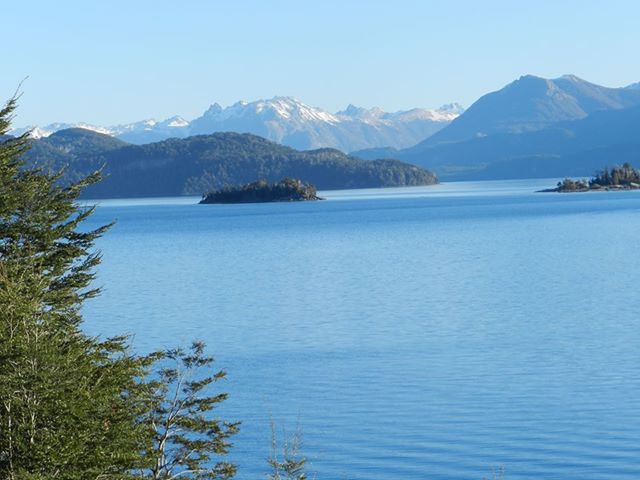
<point x="194" y="165"/>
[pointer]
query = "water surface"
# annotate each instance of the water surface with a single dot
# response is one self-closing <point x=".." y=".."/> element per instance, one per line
<point x="417" y="333"/>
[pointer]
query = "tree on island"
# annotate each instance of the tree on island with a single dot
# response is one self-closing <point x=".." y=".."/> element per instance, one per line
<point x="625" y="177"/>
<point x="72" y="406"/>
<point x="570" y="185"/>
<point x="286" y="190"/>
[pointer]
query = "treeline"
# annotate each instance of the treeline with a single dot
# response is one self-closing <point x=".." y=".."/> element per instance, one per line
<point x="76" y="407"/>
<point x="200" y="164"/>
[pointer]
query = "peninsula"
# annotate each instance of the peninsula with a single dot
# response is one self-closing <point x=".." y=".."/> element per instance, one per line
<point x="286" y="190"/>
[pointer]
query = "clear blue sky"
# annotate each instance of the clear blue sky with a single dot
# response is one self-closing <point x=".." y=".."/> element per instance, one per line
<point x="117" y="61"/>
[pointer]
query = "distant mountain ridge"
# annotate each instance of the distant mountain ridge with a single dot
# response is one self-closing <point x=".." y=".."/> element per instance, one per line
<point x="533" y="127"/>
<point x="201" y="163"/>
<point x="532" y="103"/>
<point x="287" y="121"/>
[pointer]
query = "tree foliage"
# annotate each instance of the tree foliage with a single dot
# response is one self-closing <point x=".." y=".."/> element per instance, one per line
<point x="286" y="461"/>
<point x="68" y="402"/>
<point x="570" y="185"/>
<point x="187" y="440"/>
<point x="622" y="176"/>
<point x="75" y="407"/>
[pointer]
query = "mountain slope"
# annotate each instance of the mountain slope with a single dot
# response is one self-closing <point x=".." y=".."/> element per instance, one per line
<point x="198" y="164"/>
<point x="532" y="127"/>
<point x="532" y="103"/>
<point x="577" y="147"/>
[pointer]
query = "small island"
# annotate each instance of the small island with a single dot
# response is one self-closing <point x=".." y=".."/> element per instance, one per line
<point x="619" y="178"/>
<point x="286" y="190"/>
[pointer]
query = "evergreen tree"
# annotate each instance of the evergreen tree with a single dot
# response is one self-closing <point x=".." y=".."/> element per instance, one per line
<point x="186" y="438"/>
<point x="289" y="464"/>
<point x="74" y="407"/>
<point x="615" y="176"/>
<point x="69" y="404"/>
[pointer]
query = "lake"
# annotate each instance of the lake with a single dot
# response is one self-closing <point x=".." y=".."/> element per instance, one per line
<point x="414" y="333"/>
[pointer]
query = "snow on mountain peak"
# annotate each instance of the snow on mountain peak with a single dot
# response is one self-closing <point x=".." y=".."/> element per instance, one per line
<point x="376" y="115"/>
<point x="292" y="109"/>
<point x="452" y="108"/>
<point x="286" y="108"/>
<point x="43" y="132"/>
<point x="360" y="113"/>
<point x="37" y="132"/>
<point x="175" y="122"/>
<point x="93" y="128"/>
<point x="286" y="120"/>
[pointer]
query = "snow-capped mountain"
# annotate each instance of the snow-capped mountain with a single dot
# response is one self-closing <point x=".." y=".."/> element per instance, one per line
<point x="45" y="131"/>
<point x="147" y="131"/>
<point x="144" y="131"/>
<point x="446" y="113"/>
<point x="285" y="108"/>
<point x="288" y="121"/>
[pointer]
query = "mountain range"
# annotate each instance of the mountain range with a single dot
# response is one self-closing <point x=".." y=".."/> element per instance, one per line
<point x="533" y="127"/>
<point x="287" y="121"/>
<point x="201" y="163"/>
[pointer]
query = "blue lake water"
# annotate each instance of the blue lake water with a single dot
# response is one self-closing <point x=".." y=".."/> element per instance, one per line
<point x="416" y="333"/>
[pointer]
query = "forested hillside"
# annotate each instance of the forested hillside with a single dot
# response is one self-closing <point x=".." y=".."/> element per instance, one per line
<point x="198" y="164"/>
